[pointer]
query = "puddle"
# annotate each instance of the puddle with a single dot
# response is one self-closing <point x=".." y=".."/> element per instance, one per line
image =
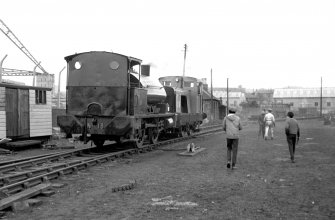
<point x="172" y="204"/>
<point x="305" y="144"/>
<point x="286" y="158"/>
<point x="281" y="159"/>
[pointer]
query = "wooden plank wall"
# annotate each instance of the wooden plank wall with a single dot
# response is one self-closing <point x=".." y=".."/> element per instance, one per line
<point x="2" y="112"/>
<point x="40" y="116"/>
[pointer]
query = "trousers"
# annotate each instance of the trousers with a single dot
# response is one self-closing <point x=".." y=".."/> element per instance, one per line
<point x="261" y="130"/>
<point x="291" y="140"/>
<point x="232" y="145"/>
<point x="268" y="128"/>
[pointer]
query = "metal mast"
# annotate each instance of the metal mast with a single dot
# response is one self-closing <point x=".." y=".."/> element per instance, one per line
<point x="5" y="29"/>
<point x="185" y="49"/>
<point x="227" y="96"/>
<point x="321" y="99"/>
<point x="212" y="108"/>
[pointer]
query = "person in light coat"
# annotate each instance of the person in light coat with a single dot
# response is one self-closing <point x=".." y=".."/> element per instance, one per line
<point x="232" y="126"/>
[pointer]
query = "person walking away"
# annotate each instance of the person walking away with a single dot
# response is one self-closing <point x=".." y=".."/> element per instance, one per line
<point x="269" y="120"/>
<point x="261" y="124"/>
<point x="292" y="132"/>
<point x="232" y="126"/>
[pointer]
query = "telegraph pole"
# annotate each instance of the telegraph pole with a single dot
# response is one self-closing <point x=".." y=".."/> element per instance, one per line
<point x="321" y="99"/>
<point x="212" y="108"/>
<point x="227" y="97"/>
<point x="185" y="49"/>
<point x="58" y="105"/>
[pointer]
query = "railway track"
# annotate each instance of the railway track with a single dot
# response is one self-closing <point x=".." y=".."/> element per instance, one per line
<point x="18" y="176"/>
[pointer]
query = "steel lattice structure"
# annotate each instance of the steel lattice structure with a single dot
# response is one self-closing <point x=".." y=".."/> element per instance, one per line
<point x="11" y="36"/>
<point x="15" y="72"/>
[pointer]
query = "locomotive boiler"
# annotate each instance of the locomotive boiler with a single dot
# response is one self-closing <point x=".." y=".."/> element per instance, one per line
<point x="111" y="96"/>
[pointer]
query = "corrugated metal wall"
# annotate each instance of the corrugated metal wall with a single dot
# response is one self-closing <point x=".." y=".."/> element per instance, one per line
<point x="2" y="112"/>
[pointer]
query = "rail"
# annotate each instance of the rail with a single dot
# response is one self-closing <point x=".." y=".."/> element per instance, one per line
<point x="26" y="173"/>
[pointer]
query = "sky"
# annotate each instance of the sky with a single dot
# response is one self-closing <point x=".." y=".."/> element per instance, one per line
<point x="255" y="43"/>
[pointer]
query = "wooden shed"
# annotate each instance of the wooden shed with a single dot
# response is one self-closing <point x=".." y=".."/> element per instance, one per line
<point x="218" y="111"/>
<point x="25" y="111"/>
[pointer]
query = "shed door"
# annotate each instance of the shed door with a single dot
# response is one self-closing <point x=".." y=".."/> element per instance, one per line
<point x="11" y="112"/>
<point x="23" y="112"/>
<point x="17" y="112"/>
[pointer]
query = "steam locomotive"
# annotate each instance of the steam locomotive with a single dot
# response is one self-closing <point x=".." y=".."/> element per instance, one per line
<point x="111" y="96"/>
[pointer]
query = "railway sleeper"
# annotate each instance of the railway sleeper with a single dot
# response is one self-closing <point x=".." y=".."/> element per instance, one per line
<point x="71" y="169"/>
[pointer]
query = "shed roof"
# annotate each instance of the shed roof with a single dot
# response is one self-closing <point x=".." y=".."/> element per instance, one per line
<point x="304" y="92"/>
<point x="17" y="86"/>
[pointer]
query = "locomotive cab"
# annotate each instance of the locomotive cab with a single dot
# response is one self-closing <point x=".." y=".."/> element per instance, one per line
<point x="184" y="96"/>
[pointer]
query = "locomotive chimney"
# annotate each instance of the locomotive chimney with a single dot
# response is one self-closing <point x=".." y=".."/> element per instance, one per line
<point x="145" y="70"/>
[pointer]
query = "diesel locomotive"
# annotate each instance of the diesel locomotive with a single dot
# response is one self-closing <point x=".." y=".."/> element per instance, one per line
<point x="111" y="96"/>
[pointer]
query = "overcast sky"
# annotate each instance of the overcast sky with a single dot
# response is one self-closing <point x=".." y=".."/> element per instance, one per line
<point x="256" y="44"/>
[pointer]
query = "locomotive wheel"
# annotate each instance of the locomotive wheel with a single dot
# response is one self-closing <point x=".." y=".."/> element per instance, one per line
<point x="153" y="135"/>
<point x="190" y="131"/>
<point x="99" y="142"/>
<point x="186" y="131"/>
<point x="183" y="132"/>
<point x="140" y="139"/>
<point x="118" y="140"/>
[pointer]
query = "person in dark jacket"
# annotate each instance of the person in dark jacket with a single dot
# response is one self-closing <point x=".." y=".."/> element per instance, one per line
<point x="232" y="126"/>
<point x="292" y="132"/>
<point x="261" y="124"/>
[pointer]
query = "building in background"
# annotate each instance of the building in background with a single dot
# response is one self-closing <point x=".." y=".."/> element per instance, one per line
<point x="307" y="100"/>
<point x="62" y="100"/>
<point x="259" y="97"/>
<point x="46" y="81"/>
<point x="218" y="110"/>
<point x="236" y="96"/>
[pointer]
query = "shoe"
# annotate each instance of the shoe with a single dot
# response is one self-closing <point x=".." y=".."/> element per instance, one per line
<point x="228" y="165"/>
<point x="293" y="161"/>
<point x="233" y="166"/>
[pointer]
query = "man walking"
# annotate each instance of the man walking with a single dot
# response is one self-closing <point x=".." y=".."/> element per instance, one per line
<point x="232" y="126"/>
<point x="292" y="132"/>
<point x="261" y="124"/>
<point x="269" y="120"/>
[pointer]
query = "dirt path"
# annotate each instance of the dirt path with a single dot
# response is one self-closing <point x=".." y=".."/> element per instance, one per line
<point x="266" y="185"/>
